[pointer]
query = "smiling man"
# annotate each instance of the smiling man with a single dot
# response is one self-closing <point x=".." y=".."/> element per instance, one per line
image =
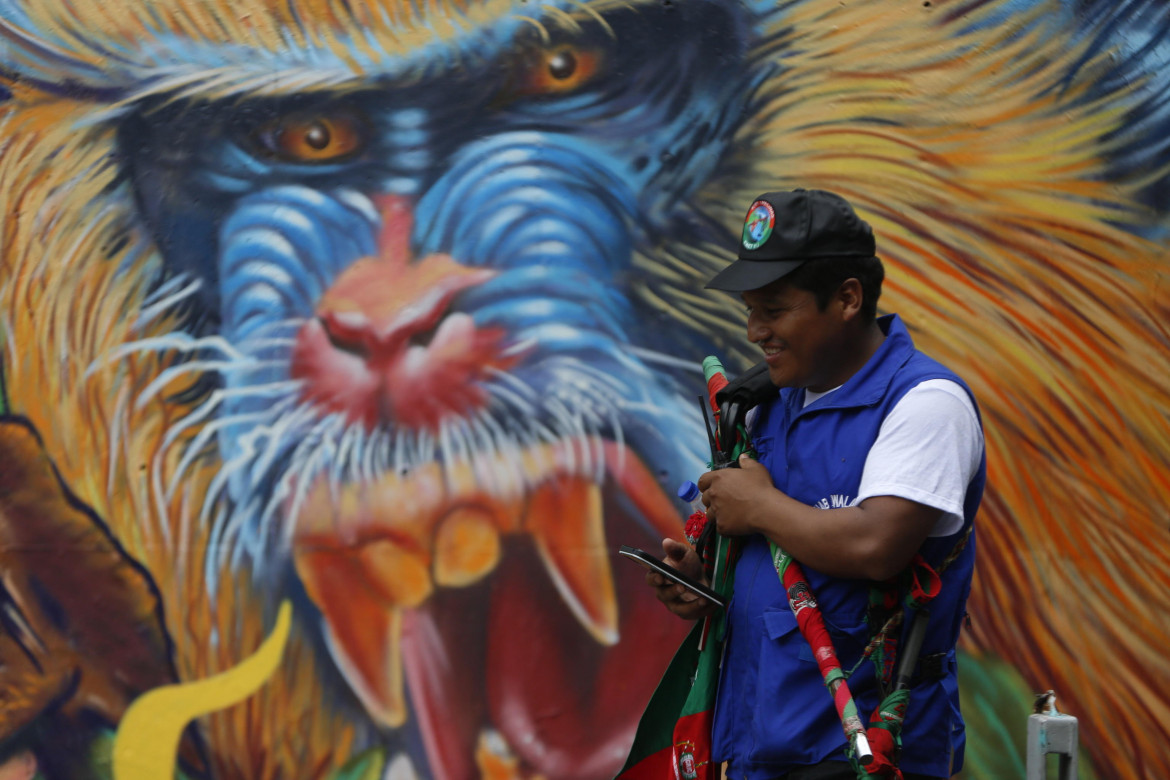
<point x="871" y="464"/>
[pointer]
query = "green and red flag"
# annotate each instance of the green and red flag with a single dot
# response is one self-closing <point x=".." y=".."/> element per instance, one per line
<point x="673" y="740"/>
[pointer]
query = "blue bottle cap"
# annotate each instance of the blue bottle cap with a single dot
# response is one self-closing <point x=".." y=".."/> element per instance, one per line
<point x="688" y="491"/>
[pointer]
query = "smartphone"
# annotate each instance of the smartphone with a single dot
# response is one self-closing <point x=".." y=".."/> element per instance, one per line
<point x="648" y="561"/>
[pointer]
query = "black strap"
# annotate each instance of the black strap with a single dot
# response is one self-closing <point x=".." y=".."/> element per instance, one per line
<point x="934" y="666"/>
<point x="748" y="390"/>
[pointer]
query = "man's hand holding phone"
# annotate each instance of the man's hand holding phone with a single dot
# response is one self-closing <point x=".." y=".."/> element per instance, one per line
<point x="678" y="599"/>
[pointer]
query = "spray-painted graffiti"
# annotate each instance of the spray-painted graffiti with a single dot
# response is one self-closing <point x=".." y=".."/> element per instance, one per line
<point x="392" y="310"/>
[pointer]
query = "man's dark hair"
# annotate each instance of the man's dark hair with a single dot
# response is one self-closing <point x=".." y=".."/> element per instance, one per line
<point x="823" y="276"/>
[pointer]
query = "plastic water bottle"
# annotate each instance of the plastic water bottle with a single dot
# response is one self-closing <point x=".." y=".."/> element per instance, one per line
<point x="690" y="495"/>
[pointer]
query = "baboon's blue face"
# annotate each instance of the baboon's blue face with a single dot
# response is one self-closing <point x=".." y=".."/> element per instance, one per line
<point x="442" y="322"/>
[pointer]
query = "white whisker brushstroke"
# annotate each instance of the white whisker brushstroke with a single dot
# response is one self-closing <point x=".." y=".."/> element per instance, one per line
<point x="446" y="449"/>
<point x="216" y="397"/>
<point x="600" y="378"/>
<point x="277" y="499"/>
<point x="541" y="433"/>
<point x="160" y="502"/>
<point x="202" y="439"/>
<point x="118" y="427"/>
<point x="588" y="403"/>
<point x="241" y="545"/>
<point x="164" y="289"/>
<point x="400" y="452"/>
<point x="336" y="470"/>
<point x="663" y="359"/>
<point x="461" y="436"/>
<point x="618" y="435"/>
<point x="195" y="447"/>
<point x="178" y="342"/>
<point x="247" y="453"/>
<point x="486" y="452"/>
<point x="358" y="201"/>
<point x="597" y="452"/>
<point x="448" y="453"/>
<point x="254" y="344"/>
<point x="278" y="435"/>
<point x="382" y="452"/>
<point x="224" y="367"/>
<point x="523" y="408"/>
<point x="151" y="311"/>
<point x="566" y="428"/>
<point x="424" y="448"/>
<point x="369" y="468"/>
<point x="519" y="387"/>
<point x="519" y="347"/>
<point x="305" y="480"/>
<point x="354" y="461"/>
<point x="373" y="456"/>
<point x="610" y="404"/>
<point x="508" y="462"/>
<point x="276" y="439"/>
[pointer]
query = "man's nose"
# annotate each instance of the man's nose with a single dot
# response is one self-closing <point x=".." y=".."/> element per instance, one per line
<point x="757" y="330"/>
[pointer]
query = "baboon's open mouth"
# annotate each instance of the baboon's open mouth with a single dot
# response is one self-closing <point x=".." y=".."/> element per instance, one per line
<point x="389" y="563"/>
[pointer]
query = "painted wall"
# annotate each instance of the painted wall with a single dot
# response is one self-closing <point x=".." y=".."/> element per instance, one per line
<point x="391" y="312"/>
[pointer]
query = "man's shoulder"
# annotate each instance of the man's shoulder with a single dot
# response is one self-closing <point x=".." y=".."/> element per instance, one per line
<point x="921" y="367"/>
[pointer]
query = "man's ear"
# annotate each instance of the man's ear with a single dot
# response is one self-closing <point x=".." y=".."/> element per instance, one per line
<point x="850" y="297"/>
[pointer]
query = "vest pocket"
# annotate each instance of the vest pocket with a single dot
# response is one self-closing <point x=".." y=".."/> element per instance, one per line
<point x="793" y="720"/>
<point x="780" y="622"/>
<point x="849" y="634"/>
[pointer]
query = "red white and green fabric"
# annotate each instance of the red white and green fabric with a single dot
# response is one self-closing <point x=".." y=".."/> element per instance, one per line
<point x="673" y="740"/>
<point x="920" y="583"/>
<point x="816" y="633"/>
<point x="874" y="752"/>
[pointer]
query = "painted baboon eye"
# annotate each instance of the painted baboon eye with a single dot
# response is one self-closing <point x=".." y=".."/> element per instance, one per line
<point x="558" y="70"/>
<point x="562" y="65"/>
<point x="310" y="139"/>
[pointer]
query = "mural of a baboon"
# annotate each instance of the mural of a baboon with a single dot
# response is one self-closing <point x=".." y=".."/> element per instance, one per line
<point x="393" y="310"/>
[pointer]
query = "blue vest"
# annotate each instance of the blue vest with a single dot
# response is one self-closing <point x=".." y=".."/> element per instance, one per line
<point x="773" y="713"/>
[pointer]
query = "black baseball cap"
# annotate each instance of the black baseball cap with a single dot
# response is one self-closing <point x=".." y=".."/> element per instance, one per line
<point x="784" y="229"/>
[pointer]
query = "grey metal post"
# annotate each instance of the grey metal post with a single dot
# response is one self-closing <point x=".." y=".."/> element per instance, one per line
<point x="1052" y="734"/>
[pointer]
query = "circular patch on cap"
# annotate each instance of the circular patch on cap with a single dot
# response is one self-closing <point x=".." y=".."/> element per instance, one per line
<point x="757" y="227"/>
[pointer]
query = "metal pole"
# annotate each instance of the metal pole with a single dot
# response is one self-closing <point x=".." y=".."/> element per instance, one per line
<point x="1054" y="733"/>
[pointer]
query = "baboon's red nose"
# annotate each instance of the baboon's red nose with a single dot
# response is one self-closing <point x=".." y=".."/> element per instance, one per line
<point x="386" y="343"/>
